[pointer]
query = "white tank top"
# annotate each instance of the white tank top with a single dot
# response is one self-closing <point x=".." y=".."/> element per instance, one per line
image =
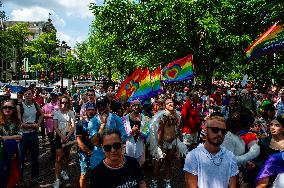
<point x="29" y="115"/>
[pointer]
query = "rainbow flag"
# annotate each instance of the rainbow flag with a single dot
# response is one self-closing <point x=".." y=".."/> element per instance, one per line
<point x="269" y="42"/>
<point x="128" y="86"/>
<point x="178" y="70"/>
<point x="156" y="81"/>
<point x="10" y="165"/>
<point x="144" y="86"/>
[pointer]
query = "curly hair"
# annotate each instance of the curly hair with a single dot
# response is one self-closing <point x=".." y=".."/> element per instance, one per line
<point x="240" y="119"/>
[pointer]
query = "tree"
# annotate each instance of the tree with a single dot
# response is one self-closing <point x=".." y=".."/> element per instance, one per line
<point x="126" y="34"/>
<point x="17" y="35"/>
<point x="43" y="50"/>
<point x="2" y="13"/>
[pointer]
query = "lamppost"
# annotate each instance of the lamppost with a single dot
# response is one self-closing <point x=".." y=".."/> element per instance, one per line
<point x="63" y="50"/>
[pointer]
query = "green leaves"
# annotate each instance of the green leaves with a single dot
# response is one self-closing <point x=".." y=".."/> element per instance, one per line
<point x="127" y="34"/>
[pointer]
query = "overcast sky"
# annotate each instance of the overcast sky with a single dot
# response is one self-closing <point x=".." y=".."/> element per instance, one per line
<point x="70" y="17"/>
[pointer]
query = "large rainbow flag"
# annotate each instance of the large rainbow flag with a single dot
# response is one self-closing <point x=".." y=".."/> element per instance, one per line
<point x="144" y="86"/>
<point x="271" y="41"/>
<point x="178" y="70"/>
<point x="128" y="86"/>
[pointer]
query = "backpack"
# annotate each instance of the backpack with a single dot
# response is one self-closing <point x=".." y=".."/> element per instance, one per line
<point x="37" y="110"/>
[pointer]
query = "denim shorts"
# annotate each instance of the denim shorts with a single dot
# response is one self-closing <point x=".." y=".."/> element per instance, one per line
<point x="84" y="162"/>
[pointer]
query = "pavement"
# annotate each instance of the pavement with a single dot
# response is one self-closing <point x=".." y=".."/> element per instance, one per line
<point x="47" y="171"/>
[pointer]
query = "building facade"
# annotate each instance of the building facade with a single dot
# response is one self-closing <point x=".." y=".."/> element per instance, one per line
<point x="10" y="68"/>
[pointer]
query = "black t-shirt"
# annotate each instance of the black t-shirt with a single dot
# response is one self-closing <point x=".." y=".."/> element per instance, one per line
<point x="129" y="175"/>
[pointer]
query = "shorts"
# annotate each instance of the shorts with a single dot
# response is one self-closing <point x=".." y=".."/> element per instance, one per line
<point x="84" y="162"/>
<point x="167" y="145"/>
<point x="189" y="139"/>
<point x="57" y="142"/>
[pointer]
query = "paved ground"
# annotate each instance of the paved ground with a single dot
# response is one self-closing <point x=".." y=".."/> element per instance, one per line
<point x="47" y="171"/>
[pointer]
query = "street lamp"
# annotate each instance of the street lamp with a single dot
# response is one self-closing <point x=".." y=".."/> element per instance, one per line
<point x="63" y="50"/>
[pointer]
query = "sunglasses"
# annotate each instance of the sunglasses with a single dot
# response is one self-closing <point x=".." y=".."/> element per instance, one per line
<point x="90" y="95"/>
<point x="216" y="130"/>
<point x="115" y="146"/>
<point x="63" y="102"/>
<point x="8" y="107"/>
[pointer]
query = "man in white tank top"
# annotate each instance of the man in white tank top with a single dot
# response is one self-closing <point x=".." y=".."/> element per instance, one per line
<point x="31" y="117"/>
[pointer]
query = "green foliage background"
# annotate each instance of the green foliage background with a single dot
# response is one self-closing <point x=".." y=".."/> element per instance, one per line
<point x="127" y="34"/>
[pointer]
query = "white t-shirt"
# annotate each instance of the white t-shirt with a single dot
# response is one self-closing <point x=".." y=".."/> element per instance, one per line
<point x="64" y="120"/>
<point x="212" y="170"/>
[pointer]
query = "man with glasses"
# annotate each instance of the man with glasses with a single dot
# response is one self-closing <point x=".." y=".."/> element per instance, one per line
<point x="210" y="164"/>
<point x="116" y="170"/>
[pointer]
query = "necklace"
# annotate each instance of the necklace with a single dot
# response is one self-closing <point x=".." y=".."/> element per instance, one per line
<point x="216" y="160"/>
<point x="114" y="167"/>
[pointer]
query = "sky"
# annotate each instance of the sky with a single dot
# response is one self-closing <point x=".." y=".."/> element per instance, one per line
<point x="71" y="18"/>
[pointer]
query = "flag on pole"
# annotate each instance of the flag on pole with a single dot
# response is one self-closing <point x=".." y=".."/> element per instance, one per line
<point x="178" y="70"/>
<point x="271" y="41"/>
<point x="128" y="86"/>
<point x="144" y="87"/>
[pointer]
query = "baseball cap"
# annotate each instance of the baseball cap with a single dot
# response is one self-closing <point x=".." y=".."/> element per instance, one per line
<point x="90" y="105"/>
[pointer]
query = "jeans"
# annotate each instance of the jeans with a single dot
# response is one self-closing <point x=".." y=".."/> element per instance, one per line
<point x="30" y="142"/>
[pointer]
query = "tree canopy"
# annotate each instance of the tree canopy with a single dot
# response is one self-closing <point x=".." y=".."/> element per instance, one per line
<point x="127" y="34"/>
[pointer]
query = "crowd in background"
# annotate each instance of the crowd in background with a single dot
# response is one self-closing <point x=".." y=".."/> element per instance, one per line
<point x="251" y="129"/>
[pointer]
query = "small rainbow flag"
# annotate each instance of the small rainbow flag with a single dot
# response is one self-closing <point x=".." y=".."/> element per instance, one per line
<point x="178" y="70"/>
<point x="144" y="86"/>
<point x="128" y="86"/>
<point x="269" y="42"/>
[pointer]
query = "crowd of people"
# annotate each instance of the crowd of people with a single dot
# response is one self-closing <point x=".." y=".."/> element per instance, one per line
<point x="233" y="137"/>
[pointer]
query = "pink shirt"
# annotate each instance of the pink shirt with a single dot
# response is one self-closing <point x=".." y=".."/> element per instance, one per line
<point x="49" y="108"/>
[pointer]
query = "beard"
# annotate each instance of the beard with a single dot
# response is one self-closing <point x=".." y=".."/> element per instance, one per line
<point x="216" y="141"/>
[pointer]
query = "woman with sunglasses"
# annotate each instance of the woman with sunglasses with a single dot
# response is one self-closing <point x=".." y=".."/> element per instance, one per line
<point x="64" y="126"/>
<point x="9" y="122"/>
<point x="116" y="170"/>
<point x="10" y="135"/>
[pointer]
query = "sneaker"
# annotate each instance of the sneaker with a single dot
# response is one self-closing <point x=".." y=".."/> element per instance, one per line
<point x="167" y="183"/>
<point x="64" y="175"/>
<point x="154" y="184"/>
<point x="57" y="183"/>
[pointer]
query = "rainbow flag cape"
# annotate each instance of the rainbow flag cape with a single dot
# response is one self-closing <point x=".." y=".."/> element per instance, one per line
<point x="144" y="86"/>
<point x="269" y="42"/>
<point x="128" y="86"/>
<point x="10" y="166"/>
<point x="273" y="166"/>
<point x="178" y="70"/>
<point x="156" y="81"/>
